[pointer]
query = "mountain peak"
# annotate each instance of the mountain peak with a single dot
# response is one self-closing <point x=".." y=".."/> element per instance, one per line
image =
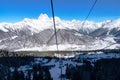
<point x="38" y="32"/>
<point x="45" y="22"/>
<point x="43" y="17"/>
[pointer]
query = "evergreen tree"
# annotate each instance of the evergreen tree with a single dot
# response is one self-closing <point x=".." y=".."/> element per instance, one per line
<point x="68" y="73"/>
<point x="15" y="75"/>
<point x="21" y="76"/>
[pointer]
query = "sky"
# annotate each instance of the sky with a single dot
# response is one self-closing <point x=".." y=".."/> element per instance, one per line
<point x="17" y="10"/>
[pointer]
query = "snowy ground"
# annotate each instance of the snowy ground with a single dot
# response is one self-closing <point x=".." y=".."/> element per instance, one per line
<point x="107" y="43"/>
<point x="55" y="70"/>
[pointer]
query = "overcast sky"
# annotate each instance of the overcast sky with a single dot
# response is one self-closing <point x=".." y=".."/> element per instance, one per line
<point x="17" y="10"/>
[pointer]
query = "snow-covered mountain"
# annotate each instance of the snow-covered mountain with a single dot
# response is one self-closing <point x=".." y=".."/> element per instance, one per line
<point x="44" y="22"/>
<point x="38" y="34"/>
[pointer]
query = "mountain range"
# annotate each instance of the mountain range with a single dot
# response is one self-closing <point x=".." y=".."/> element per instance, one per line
<point x="38" y="34"/>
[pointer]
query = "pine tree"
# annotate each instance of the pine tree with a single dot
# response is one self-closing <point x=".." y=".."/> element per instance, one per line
<point x="68" y="73"/>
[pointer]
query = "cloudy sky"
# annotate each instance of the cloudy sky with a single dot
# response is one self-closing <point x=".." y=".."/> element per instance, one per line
<point x="17" y="10"/>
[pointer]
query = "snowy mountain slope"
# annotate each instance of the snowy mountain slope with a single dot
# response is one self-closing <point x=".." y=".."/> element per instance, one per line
<point x="32" y="33"/>
<point x="108" y="28"/>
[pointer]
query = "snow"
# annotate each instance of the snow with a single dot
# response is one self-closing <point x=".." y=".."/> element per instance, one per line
<point x="111" y="39"/>
<point x="3" y="29"/>
<point x="103" y="43"/>
<point x="55" y="70"/>
<point x="40" y="60"/>
<point x="51" y="48"/>
<point x="24" y="68"/>
<point x="110" y="24"/>
<point x="64" y="55"/>
<point x="11" y="69"/>
<point x="30" y="49"/>
<point x="99" y="44"/>
<point x="114" y="46"/>
<point x="107" y="43"/>
<point x="96" y="56"/>
<point x="13" y="37"/>
<point x="45" y="22"/>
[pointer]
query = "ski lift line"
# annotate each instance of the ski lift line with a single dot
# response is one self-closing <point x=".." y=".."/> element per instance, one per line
<point x="87" y="18"/>
<point x="52" y="37"/>
<point x="55" y="30"/>
<point x="89" y="13"/>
